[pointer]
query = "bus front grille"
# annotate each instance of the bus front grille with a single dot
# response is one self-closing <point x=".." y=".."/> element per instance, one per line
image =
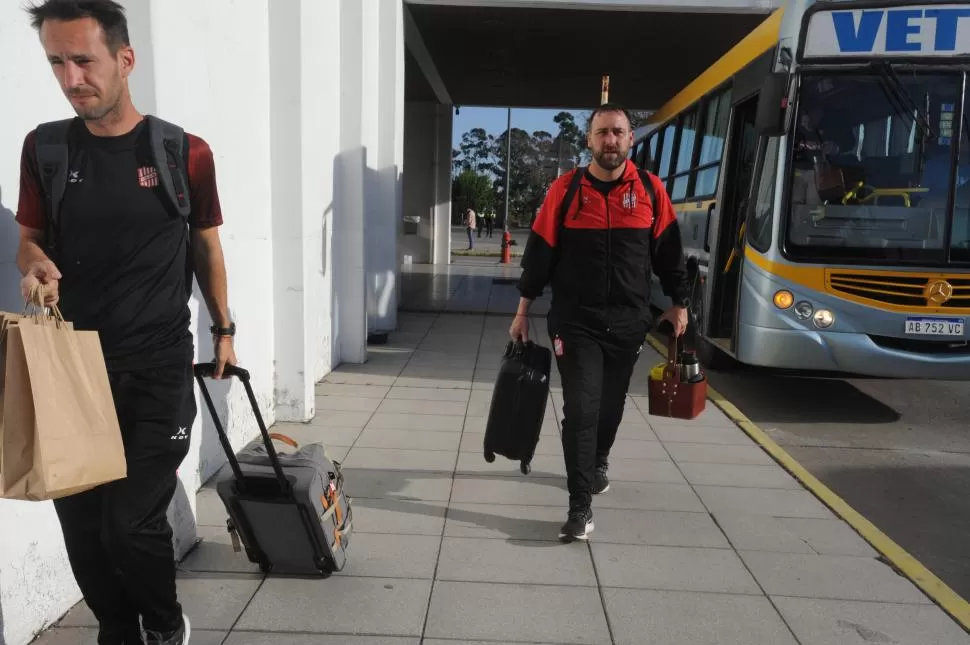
<point x="907" y="290"/>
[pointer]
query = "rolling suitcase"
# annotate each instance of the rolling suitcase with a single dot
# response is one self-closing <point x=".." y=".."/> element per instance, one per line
<point x="288" y="509"/>
<point x="518" y="404"/>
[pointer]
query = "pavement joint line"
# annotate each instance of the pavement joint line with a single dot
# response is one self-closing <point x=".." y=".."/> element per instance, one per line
<point x="893" y="554"/>
<point x="444" y="517"/>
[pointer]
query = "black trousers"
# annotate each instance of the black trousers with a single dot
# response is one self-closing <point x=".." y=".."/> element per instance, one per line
<point x="118" y="538"/>
<point x="595" y="368"/>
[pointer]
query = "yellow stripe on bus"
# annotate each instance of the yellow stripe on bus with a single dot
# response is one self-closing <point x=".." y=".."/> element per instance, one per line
<point x="764" y="37"/>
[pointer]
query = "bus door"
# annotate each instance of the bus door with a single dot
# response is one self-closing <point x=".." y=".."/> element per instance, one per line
<point x="725" y="266"/>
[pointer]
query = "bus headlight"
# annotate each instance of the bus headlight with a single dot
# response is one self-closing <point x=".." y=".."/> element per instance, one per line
<point x="783" y="299"/>
<point x="804" y="310"/>
<point x="824" y="318"/>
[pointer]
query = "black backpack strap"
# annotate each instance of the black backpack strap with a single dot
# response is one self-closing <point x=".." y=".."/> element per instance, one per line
<point x="570" y="195"/>
<point x="51" y="149"/>
<point x="169" y="145"/>
<point x="648" y="186"/>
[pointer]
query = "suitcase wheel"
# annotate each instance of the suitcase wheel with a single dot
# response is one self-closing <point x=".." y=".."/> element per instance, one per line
<point x="489" y="456"/>
<point x="526" y="468"/>
<point x="265" y="567"/>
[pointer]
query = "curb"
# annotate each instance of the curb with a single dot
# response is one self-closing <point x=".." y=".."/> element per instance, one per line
<point x="904" y="563"/>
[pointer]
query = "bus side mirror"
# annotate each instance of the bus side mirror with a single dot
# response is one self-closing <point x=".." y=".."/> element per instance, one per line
<point x="772" y="105"/>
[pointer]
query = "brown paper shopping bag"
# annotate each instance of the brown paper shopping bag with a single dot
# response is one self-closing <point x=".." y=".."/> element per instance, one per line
<point x="60" y="432"/>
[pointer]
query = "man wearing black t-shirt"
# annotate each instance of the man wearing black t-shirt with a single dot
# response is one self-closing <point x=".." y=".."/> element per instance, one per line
<point x="123" y="267"/>
<point x="598" y="258"/>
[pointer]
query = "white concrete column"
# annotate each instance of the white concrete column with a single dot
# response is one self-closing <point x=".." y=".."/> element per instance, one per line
<point x="420" y="180"/>
<point x="442" y="173"/>
<point x="293" y="391"/>
<point x="349" y="304"/>
<point x="385" y="211"/>
<point x="370" y="111"/>
<point x="321" y="40"/>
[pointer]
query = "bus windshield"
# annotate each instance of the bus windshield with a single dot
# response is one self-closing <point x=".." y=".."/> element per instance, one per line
<point x="871" y="168"/>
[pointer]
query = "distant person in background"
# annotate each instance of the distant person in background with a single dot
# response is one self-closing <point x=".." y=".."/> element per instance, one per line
<point x="490" y="221"/>
<point x="471" y="223"/>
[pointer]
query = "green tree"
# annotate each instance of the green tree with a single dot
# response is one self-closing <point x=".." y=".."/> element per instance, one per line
<point x="471" y="190"/>
<point x="570" y="142"/>
<point x="528" y="177"/>
<point x="477" y="152"/>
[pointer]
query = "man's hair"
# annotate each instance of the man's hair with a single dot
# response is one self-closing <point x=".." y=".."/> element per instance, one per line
<point x="605" y="109"/>
<point x="109" y="14"/>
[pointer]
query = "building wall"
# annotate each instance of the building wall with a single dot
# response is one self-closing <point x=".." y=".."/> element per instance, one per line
<point x="419" y="190"/>
<point x="287" y="96"/>
<point x="426" y="239"/>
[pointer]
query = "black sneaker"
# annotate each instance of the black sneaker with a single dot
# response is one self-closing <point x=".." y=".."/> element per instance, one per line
<point x="601" y="483"/>
<point x="578" y="525"/>
<point x="179" y="637"/>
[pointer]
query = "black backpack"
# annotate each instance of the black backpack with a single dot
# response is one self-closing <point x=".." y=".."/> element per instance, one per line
<point x="170" y="153"/>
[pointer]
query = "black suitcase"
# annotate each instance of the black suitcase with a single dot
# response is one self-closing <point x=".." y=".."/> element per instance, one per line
<point x="518" y="404"/>
<point x="289" y="509"/>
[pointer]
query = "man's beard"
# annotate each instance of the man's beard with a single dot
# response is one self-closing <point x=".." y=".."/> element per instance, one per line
<point x="609" y="162"/>
<point x="97" y="112"/>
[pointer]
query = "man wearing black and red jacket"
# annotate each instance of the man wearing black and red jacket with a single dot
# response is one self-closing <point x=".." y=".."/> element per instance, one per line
<point x="598" y="257"/>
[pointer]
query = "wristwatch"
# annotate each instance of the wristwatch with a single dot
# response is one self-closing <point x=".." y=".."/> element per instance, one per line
<point x="224" y="331"/>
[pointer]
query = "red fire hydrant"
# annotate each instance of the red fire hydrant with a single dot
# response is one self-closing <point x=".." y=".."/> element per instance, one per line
<point x="506" y="247"/>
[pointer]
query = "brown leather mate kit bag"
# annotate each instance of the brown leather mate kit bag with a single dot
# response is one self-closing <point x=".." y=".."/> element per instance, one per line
<point x="677" y="388"/>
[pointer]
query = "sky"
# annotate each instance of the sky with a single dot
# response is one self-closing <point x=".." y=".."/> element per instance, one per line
<point x="493" y="120"/>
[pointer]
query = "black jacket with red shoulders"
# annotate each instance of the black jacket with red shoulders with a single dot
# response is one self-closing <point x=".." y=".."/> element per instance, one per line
<point x="600" y="256"/>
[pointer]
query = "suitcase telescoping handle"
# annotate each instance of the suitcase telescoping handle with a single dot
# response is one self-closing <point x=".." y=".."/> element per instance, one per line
<point x="208" y="370"/>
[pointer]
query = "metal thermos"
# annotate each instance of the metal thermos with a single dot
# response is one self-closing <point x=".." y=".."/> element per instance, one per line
<point x="690" y="370"/>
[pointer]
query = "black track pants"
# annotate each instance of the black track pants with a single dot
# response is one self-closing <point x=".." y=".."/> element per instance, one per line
<point x="118" y="538"/>
<point x="595" y="368"/>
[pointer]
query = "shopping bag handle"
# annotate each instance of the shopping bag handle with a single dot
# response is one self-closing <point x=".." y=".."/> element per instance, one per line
<point x="208" y="370"/>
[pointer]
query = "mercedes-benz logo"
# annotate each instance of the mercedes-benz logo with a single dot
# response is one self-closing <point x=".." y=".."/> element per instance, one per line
<point x="938" y="293"/>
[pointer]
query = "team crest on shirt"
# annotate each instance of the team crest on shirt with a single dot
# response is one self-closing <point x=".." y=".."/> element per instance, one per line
<point x="147" y="177"/>
<point x="630" y="200"/>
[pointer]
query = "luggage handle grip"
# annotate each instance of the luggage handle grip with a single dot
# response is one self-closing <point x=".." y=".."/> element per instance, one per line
<point x="208" y="370"/>
<point x="203" y="370"/>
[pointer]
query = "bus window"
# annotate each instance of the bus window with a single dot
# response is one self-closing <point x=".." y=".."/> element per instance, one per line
<point x="685" y="154"/>
<point x="652" y="152"/>
<point x="760" y="225"/>
<point x="712" y="144"/>
<point x="871" y="166"/>
<point x="667" y="150"/>
<point x="960" y="232"/>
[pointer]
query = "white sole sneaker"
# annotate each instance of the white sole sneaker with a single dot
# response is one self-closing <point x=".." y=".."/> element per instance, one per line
<point x="188" y="630"/>
<point x="585" y="536"/>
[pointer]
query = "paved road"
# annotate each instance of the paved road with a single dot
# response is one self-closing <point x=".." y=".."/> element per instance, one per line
<point x="896" y="451"/>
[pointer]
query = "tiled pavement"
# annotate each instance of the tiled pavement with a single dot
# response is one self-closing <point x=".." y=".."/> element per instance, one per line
<point x="467" y="285"/>
<point x="701" y="540"/>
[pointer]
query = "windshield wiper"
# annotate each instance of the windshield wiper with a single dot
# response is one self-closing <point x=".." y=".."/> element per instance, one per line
<point x="901" y="100"/>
